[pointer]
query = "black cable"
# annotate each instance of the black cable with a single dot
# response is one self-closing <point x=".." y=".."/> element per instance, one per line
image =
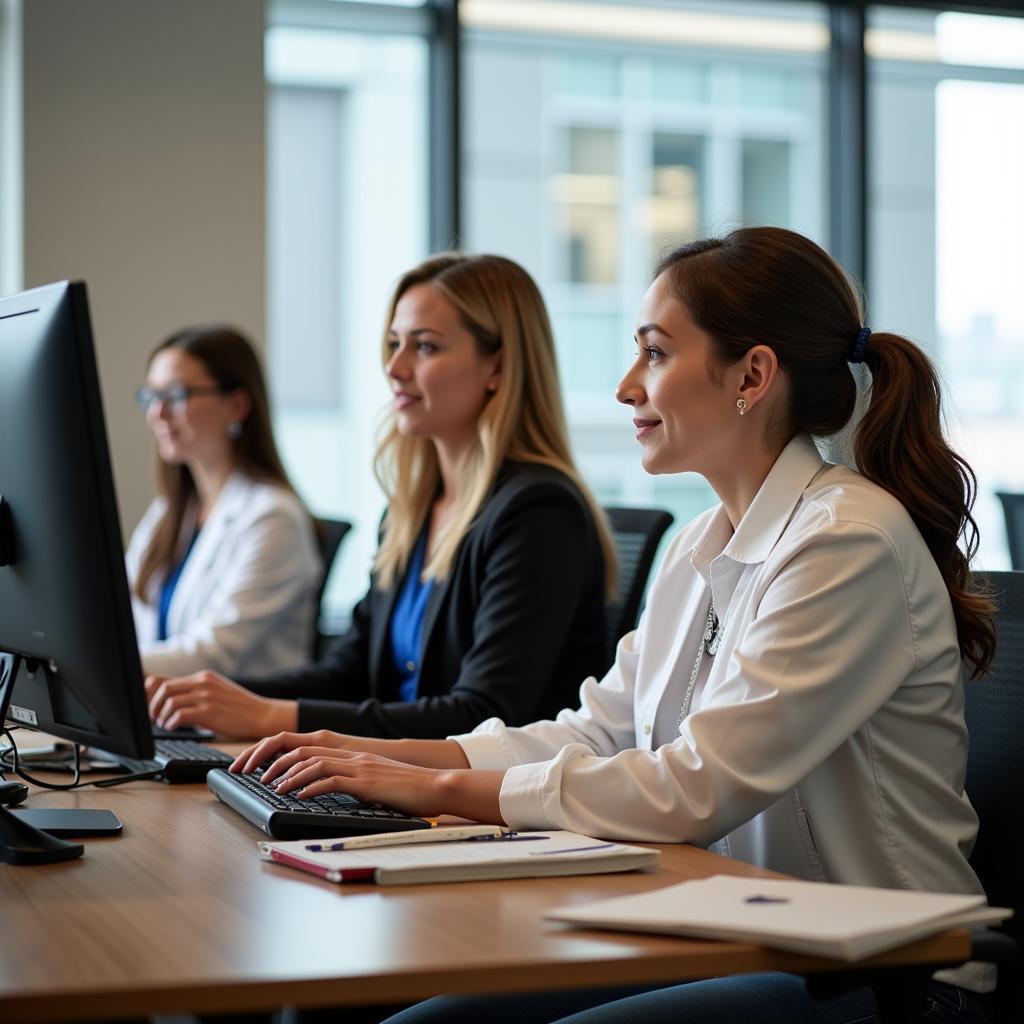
<point x="75" y="782"/>
<point x="120" y="780"/>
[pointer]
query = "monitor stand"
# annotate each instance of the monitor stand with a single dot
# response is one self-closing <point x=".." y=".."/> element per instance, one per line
<point x="20" y="843"/>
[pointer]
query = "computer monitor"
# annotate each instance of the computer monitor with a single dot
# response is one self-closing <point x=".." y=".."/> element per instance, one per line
<point x="69" y="661"/>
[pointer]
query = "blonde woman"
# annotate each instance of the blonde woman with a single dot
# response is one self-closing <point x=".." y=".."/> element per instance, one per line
<point x="487" y="595"/>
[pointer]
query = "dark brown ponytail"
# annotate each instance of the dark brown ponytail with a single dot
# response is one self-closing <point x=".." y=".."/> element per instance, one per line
<point x="899" y="445"/>
<point x="770" y="286"/>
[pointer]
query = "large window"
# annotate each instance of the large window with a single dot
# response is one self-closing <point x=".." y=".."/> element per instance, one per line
<point x="595" y="135"/>
<point x="946" y="114"/>
<point x="599" y="135"/>
<point x="346" y="216"/>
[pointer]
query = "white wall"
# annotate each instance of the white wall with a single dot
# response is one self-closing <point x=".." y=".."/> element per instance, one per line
<point x="144" y="175"/>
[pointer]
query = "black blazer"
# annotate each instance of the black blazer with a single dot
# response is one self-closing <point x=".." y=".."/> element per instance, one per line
<point x="511" y="633"/>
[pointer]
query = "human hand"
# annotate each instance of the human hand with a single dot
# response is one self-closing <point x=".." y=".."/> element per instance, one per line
<point x="208" y="699"/>
<point x="310" y="771"/>
<point x="427" y="792"/>
<point x="271" y="748"/>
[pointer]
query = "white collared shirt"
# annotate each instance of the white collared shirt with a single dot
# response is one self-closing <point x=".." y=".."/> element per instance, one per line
<point x="828" y="739"/>
<point x="245" y="603"/>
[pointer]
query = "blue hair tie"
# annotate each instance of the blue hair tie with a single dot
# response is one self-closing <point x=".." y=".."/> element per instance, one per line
<point x="857" y="352"/>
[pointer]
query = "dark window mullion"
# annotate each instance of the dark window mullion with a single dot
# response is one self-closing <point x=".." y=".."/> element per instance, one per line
<point x="847" y="135"/>
<point x="444" y="126"/>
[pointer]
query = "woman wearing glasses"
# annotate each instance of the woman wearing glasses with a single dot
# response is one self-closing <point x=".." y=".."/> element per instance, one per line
<point x="223" y="565"/>
<point x="487" y="595"/>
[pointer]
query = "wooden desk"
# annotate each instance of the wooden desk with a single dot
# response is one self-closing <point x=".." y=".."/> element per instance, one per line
<point x="179" y="915"/>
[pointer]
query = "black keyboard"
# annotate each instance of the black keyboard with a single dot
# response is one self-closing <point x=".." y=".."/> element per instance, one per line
<point x="285" y="816"/>
<point x="177" y="760"/>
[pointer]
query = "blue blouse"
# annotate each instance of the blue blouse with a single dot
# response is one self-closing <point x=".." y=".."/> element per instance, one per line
<point x="407" y="622"/>
<point x="167" y="590"/>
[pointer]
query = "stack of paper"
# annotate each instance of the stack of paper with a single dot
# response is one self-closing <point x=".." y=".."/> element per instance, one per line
<point x="517" y="855"/>
<point x="845" y="922"/>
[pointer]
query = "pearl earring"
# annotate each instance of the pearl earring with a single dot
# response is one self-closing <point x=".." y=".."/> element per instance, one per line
<point x="234" y="430"/>
<point x="741" y="404"/>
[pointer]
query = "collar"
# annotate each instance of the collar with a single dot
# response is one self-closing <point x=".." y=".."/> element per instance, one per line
<point x="769" y="514"/>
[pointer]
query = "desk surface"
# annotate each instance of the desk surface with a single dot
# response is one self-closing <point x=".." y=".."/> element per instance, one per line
<point x="179" y="915"/>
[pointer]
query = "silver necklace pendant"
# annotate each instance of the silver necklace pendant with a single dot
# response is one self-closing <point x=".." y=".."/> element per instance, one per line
<point x="713" y="633"/>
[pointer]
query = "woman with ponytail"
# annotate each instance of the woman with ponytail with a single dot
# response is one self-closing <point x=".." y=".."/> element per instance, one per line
<point x="793" y="696"/>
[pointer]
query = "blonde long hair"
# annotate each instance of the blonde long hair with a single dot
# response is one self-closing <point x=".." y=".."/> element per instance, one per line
<point x="501" y="306"/>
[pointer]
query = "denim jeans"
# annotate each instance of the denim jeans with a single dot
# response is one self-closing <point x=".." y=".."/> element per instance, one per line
<point x="745" y="999"/>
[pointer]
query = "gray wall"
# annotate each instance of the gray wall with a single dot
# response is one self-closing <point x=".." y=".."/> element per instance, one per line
<point x="144" y="176"/>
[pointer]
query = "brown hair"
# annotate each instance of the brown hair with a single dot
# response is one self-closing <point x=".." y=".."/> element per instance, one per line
<point x="501" y="306"/>
<point x="231" y="361"/>
<point x="774" y="287"/>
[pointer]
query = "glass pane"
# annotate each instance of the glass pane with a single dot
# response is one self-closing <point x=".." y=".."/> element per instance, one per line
<point x="590" y="76"/>
<point x="598" y="135"/>
<point x="947" y="216"/>
<point x="676" y="172"/>
<point x="592" y="351"/>
<point x="677" y="82"/>
<point x="343" y="223"/>
<point x="767" y="179"/>
<point x="589" y="197"/>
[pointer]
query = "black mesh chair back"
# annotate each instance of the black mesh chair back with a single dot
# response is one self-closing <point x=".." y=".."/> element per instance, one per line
<point x="329" y="535"/>
<point x="995" y="762"/>
<point x="1013" y="512"/>
<point x="995" y="771"/>
<point x="636" y="532"/>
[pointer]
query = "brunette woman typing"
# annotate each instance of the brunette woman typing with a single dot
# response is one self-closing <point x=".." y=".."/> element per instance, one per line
<point x="793" y="696"/>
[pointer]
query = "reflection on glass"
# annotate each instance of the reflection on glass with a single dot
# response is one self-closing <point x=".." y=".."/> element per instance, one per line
<point x="589" y="197"/>
<point x="766" y="182"/>
<point x="674" y="206"/>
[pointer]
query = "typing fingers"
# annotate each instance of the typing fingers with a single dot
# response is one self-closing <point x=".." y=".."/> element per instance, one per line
<point x="187" y="708"/>
<point x="287" y="763"/>
<point x="153" y="683"/>
<point x="317" y="775"/>
<point x="267" y="749"/>
<point x="164" y="688"/>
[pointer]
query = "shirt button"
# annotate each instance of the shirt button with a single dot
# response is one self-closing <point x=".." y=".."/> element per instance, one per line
<point x="647" y="730"/>
<point x="410" y="666"/>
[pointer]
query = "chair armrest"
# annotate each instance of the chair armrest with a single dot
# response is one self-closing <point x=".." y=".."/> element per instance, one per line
<point x="994" y="947"/>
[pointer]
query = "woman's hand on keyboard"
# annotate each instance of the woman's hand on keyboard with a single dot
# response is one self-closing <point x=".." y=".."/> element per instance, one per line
<point x="208" y="699"/>
<point x="371" y="778"/>
<point x="272" y="748"/>
<point x="287" y="748"/>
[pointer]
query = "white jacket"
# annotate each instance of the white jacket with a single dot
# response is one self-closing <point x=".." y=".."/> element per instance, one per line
<point x="245" y="602"/>
<point x="827" y="740"/>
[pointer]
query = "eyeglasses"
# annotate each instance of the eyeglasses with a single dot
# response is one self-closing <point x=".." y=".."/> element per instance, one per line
<point x="177" y="395"/>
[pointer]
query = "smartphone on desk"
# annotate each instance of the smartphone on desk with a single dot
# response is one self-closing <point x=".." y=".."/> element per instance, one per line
<point x="69" y="822"/>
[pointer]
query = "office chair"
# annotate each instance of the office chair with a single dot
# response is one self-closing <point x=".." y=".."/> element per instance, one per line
<point x="1013" y="512"/>
<point x="329" y="535"/>
<point x="995" y="781"/>
<point x="636" y="533"/>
